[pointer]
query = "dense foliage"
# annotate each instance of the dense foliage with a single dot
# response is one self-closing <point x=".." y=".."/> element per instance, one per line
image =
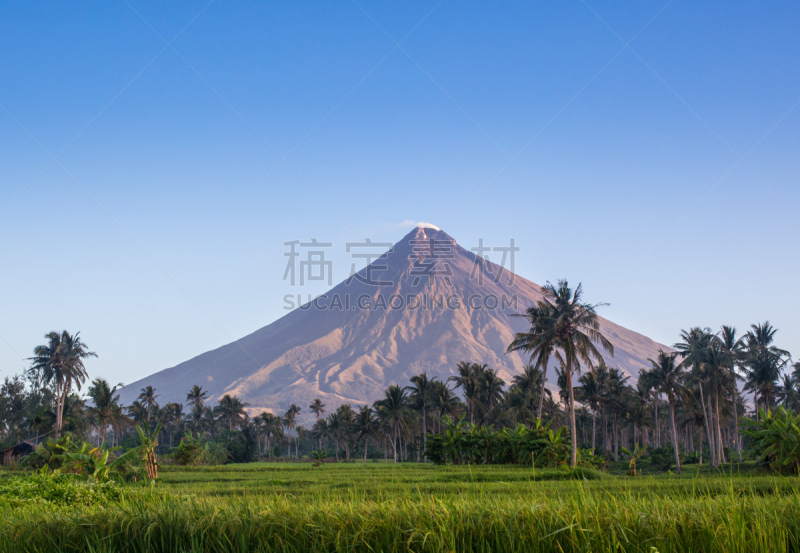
<point x="775" y="440"/>
<point x="465" y="443"/>
<point x="688" y="402"/>
<point x="58" y="489"/>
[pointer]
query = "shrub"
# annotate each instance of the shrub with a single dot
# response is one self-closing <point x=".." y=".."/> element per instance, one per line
<point x="58" y="489"/>
<point x="466" y="443"/>
<point x="775" y="440"/>
<point x="199" y="450"/>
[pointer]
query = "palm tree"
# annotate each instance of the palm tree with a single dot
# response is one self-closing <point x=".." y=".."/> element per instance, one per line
<point x="616" y="394"/>
<point x="721" y="381"/>
<point x="733" y="349"/>
<point x="148" y="398"/>
<point x="467" y="380"/>
<point x="270" y="426"/>
<point x="530" y="382"/>
<point x="763" y="363"/>
<point x="196" y="396"/>
<point x="365" y="425"/>
<point x="346" y="426"/>
<point x="231" y="410"/>
<point x="137" y="411"/>
<point x="693" y="348"/>
<point x="317" y="407"/>
<point x="667" y="377"/>
<point x="102" y="395"/>
<point x="420" y="392"/>
<point x="575" y="330"/>
<point x="394" y="409"/>
<point x="60" y="361"/>
<point x="290" y="421"/>
<point x="590" y="394"/>
<point x="538" y="341"/>
<point x="172" y="416"/>
<point x="491" y="389"/>
<point x="444" y="401"/>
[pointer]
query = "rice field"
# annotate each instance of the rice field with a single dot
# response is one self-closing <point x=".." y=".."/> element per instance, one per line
<point x="382" y="507"/>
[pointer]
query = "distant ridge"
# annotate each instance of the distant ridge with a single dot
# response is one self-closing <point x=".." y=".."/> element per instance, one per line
<point x="341" y="353"/>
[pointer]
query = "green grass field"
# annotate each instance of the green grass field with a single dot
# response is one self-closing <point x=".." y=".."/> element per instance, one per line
<point x="383" y="507"/>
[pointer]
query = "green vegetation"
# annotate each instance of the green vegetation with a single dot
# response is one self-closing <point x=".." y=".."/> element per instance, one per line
<point x="380" y="506"/>
<point x="604" y="466"/>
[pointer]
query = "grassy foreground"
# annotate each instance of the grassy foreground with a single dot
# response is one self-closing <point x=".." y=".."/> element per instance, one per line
<point x="377" y="507"/>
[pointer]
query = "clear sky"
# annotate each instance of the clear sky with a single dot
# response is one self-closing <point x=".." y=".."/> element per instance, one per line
<point x="154" y="157"/>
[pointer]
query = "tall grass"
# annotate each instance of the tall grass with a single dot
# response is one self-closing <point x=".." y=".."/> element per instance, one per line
<point x="453" y="509"/>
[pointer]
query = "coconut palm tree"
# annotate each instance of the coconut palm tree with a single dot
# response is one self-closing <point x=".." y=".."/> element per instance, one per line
<point x="60" y="362"/>
<point x="733" y="350"/>
<point x="393" y="408"/>
<point x="575" y="330"/>
<point x="522" y="396"/>
<point x="317" y="407"/>
<point x="420" y="392"/>
<point x="693" y="348"/>
<point x="196" y="396"/>
<point x="667" y="376"/>
<point x="104" y="403"/>
<point x="721" y="382"/>
<point x="346" y="427"/>
<point x="366" y="426"/>
<point x="467" y="380"/>
<point x="615" y="394"/>
<point x="290" y="422"/>
<point x="763" y="363"/>
<point x="490" y="386"/>
<point x="172" y="417"/>
<point x="443" y="401"/>
<point x="591" y="394"/>
<point x="231" y="410"/>
<point x="270" y="426"/>
<point x="148" y="398"/>
<point x="538" y="341"/>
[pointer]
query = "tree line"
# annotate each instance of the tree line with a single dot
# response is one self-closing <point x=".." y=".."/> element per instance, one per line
<point x="688" y="399"/>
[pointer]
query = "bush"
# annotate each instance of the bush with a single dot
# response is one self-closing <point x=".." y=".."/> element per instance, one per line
<point x="199" y="451"/>
<point x="775" y="440"/>
<point x="58" y="489"/>
<point x="540" y="446"/>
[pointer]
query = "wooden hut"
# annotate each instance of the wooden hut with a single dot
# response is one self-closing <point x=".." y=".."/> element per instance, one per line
<point x="13" y="453"/>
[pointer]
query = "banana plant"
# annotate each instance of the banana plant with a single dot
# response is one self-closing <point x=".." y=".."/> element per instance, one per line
<point x="146" y="451"/>
<point x="635" y="455"/>
<point x="775" y="439"/>
<point x="93" y="461"/>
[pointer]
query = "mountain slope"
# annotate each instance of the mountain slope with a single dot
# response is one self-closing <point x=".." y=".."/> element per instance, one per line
<point x="338" y="352"/>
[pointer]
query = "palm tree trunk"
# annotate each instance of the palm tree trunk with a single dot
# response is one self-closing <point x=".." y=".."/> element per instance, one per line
<point x="424" y="431"/>
<point x="713" y="430"/>
<point x="719" y="432"/>
<point x="58" y="410"/>
<point x="708" y="428"/>
<point x="103" y="436"/>
<point x="541" y="391"/>
<point x="394" y="441"/>
<point x="658" y="433"/>
<point x="674" y="435"/>
<point x="366" y="442"/>
<point x="594" y="432"/>
<point x="574" y="458"/>
<point x="736" y="424"/>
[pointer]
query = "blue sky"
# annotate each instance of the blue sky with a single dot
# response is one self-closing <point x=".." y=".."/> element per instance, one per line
<point x="648" y="150"/>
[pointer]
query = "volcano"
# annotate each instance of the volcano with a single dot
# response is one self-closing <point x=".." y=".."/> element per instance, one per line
<point x="422" y="306"/>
